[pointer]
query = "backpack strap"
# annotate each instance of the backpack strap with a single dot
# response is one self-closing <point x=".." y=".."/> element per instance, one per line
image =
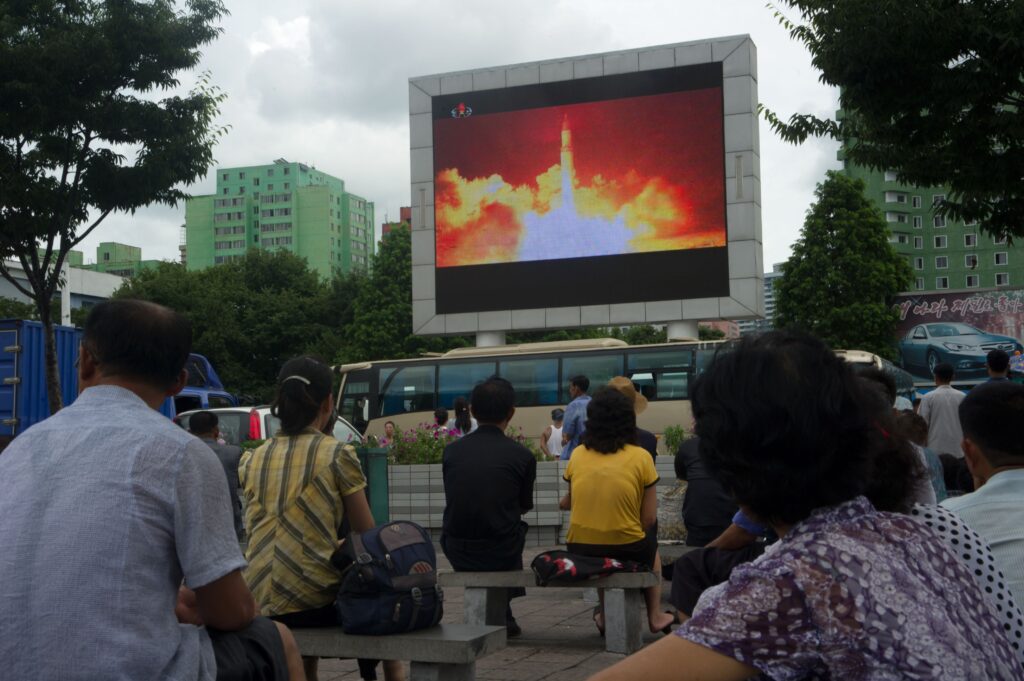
<point x="363" y="558"/>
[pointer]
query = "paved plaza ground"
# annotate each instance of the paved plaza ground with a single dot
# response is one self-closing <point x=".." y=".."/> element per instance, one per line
<point x="559" y="640"/>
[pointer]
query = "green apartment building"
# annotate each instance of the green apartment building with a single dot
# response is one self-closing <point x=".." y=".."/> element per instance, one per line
<point x="942" y="252"/>
<point x="283" y="205"/>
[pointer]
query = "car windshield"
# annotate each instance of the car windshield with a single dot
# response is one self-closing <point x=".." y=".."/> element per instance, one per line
<point x="233" y="425"/>
<point x="944" y="330"/>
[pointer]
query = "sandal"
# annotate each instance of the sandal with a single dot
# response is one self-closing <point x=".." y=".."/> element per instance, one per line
<point x="598" y="612"/>
<point x="675" y="620"/>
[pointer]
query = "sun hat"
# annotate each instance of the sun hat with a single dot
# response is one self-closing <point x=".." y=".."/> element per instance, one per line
<point x="625" y="386"/>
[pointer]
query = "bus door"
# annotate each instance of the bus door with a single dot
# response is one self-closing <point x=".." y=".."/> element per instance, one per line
<point x="355" y="403"/>
<point x="661" y="374"/>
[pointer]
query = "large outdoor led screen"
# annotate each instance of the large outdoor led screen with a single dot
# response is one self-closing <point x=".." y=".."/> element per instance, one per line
<point x="597" y="190"/>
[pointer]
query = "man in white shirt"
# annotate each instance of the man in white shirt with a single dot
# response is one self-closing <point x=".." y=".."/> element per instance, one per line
<point x="994" y="452"/>
<point x="940" y="409"/>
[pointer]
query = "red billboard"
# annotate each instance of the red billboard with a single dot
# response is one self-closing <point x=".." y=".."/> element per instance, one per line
<point x="960" y="329"/>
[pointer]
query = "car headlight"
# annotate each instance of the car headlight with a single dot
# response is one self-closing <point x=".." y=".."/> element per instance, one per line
<point x="959" y="347"/>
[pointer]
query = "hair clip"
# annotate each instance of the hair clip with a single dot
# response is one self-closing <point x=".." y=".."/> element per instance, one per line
<point x="297" y="378"/>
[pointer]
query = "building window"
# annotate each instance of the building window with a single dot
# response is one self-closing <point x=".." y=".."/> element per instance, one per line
<point x="1002" y="279"/>
<point x="918" y="242"/>
<point x="287" y="185"/>
<point x="890" y="175"/>
<point x="970" y="223"/>
<point x="224" y="176"/>
<point x="970" y="261"/>
<point x="972" y="280"/>
<point x="941" y="282"/>
<point x="1002" y="258"/>
<point x="940" y="241"/>
<point x="970" y="240"/>
<point x="241" y="176"/>
<point x="224" y="191"/>
<point x="895" y="197"/>
<point x="256" y="181"/>
<point x="919" y="283"/>
<point x="918" y="263"/>
<point x="939" y="221"/>
<point x="287" y="170"/>
<point x="916" y="202"/>
<point x="270" y="172"/>
<point x="270" y="187"/>
<point x="241" y="190"/>
<point x="918" y="222"/>
<point x="941" y="262"/>
<point x="938" y="200"/>
<point x="1001" y="241"/>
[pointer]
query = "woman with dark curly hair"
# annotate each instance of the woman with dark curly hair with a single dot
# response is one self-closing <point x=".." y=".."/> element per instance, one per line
<point x="848" y="592"/>
<point x="612" y="499"/>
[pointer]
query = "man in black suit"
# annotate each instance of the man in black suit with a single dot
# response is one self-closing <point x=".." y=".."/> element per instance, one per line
<point x="488" y="486"/>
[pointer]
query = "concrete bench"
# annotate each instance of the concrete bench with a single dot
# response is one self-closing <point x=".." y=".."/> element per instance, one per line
<point x="447" y="652"/>
<point x="486" y="598"/>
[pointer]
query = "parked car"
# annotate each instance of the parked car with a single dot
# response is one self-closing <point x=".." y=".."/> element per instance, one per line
<point x="238" y="424"/>
<point x="961" y="345"/>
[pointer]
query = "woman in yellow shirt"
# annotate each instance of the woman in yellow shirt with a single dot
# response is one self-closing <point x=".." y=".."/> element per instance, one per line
<point x="612" y="499"/>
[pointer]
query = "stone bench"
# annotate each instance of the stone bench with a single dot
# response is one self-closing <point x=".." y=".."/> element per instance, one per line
<point x="486" y="598"/>
<point x="447" y="652"/>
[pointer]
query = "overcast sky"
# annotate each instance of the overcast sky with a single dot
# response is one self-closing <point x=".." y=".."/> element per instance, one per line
<point x="326" y="82"/>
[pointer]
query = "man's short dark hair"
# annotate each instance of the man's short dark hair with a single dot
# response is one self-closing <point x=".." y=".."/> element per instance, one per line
<point x="139" y="340"/>
<point x="492" y="400"/>
<point x="997" y="360"/>
<point x="944" y="372"/>
<point x="990" y="416"/>
<point x="581" y="382"/>
<point x="202" y="423"/>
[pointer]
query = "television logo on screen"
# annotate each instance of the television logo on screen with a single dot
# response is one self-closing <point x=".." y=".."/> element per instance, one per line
<point x="462" y="111"/>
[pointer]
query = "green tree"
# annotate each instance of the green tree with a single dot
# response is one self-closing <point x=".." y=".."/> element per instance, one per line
<point x="710" y="333"/>
<point x="82" y="131"/>
<point x="930" y="89"/>
<point x="248" y="316"/>
<point x="843" y="273"/>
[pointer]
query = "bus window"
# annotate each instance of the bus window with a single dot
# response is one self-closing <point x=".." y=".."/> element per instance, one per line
<point x="673" y="385"/>
<point x="458" y="380"/>
<point x="355" y="398"/>
<point x="659" y="359"/>
<point x="410" y="389"/>
<point x="535" y="380"/>
<point x="598" y="368"/>
<point x="704" y="359"/>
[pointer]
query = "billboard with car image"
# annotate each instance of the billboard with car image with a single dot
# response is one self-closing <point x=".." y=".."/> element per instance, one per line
<point x="959" y="328"/>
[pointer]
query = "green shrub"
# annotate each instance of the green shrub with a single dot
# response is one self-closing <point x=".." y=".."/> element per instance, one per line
<point x="426" y="442"/>
<point x="674" y="436"/>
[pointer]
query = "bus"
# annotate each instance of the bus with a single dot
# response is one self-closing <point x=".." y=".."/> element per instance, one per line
<point x="408" y="391"/>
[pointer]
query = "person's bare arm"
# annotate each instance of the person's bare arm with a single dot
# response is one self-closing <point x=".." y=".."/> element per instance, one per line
<point x="357" y="510"/>
<point x="649" y="507"/>
<point x="565" y="503"/>
<point x="734" y="537"/>
<point x="226" y="603"/>
<point x="544" y="442"/>
<point x="676" y="659"/>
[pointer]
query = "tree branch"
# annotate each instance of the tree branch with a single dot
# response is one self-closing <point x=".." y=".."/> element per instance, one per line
<point x="80" y="237"/>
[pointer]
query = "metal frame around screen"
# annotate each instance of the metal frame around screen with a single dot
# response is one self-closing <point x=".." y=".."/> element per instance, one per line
<point x="738" y="56"/>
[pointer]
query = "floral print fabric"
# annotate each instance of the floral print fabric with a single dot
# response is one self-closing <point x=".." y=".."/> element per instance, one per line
<point x="851" y="593"/>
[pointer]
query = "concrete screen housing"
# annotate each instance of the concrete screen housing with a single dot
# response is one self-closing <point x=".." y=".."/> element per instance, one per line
<point x="736" y="265"/>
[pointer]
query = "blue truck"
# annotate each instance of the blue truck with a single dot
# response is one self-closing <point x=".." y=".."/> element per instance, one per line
<point x="23" y="400"/>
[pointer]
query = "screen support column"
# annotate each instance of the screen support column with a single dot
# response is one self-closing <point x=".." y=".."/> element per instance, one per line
<point x="682" y="331"/>
<point x="490" y="339"/>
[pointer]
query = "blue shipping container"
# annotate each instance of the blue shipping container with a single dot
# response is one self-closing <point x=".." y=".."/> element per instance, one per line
<point x="23" y="400"/>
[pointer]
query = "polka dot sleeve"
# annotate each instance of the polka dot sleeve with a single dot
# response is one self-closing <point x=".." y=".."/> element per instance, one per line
<point x="978" y="559"/>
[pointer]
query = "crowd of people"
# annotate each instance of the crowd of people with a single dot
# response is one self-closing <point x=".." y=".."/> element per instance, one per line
<point x="835" y="535"/>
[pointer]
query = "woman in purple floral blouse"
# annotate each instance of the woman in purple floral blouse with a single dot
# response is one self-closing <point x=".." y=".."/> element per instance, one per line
<point x="848" y="592"/>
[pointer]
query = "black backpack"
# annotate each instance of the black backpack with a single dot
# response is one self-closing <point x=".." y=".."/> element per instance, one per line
<point x="390" y="583"/>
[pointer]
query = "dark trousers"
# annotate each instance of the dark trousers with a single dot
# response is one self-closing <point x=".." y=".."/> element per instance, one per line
<point x="699" y="570"/>
<point x="488" y="555"/>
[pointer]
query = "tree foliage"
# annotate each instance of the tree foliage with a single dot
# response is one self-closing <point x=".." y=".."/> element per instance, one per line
<point x="930" y="89"/>
<point x="82" y="131"/>
<point x="843" y="273"/>
<point x="250" y="315"/>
